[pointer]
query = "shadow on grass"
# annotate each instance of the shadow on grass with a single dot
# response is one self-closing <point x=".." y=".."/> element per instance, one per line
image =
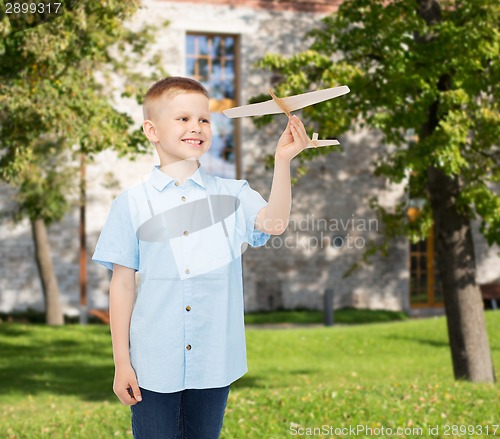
<point x="423" y="341"/>
<point x="253" y="381"/>
<point x="302" y="372"/>
<point x="70" y="361"/>
<point x="433" y="343"/>
<point x="47" y="360"/>
<point x="248" y="381"/>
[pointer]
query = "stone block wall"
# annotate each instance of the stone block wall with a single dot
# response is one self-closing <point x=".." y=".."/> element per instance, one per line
<point x="331" y="222"/>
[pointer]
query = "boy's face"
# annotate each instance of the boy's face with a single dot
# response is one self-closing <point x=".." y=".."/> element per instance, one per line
<point x="180" y="128"/>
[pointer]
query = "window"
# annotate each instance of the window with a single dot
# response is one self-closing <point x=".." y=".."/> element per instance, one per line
<point x="426" y="288"/>
<point x="211" y="59"/>
<point x="425" y="284"/>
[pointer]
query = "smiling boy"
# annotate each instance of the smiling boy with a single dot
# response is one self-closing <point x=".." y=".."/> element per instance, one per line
<point x="179" y="345"/>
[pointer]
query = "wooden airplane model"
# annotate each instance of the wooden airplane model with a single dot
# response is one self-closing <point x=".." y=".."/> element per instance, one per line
<point x="287" y="105"/>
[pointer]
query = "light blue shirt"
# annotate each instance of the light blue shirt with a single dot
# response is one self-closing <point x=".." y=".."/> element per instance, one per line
<point x="186" y="240"/>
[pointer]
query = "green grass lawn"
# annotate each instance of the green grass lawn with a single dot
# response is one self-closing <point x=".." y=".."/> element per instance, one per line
<point x="342" y="316"/>
<point x="56" y="383"/>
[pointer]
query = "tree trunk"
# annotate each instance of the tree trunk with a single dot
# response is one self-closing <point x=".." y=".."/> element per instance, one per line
<point x="470" y="351"/>
<point x="51" y="296"/>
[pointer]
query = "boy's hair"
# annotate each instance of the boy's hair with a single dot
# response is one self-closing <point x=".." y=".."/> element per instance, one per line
<point x="169" y="87"/>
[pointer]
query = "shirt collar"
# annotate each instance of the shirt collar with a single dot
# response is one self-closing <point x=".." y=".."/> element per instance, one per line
<point x="160" y="180"/>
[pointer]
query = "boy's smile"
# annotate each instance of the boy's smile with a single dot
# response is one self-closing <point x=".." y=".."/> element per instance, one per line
<point x="196" y="142"/>
<point x="181" y="127"/>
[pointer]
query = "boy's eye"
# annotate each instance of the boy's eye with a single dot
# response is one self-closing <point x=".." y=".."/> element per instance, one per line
<point x="205" y="121"/>
<point x="184" y="119"/>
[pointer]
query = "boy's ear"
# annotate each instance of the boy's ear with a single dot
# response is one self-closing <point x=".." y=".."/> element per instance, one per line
<point x="150" y="131"/>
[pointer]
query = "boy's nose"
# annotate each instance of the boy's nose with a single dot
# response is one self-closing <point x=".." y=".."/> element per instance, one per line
<point x="196" y="129"/>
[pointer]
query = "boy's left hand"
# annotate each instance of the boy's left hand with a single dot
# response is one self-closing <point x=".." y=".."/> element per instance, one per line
<point x="293" y="140"/>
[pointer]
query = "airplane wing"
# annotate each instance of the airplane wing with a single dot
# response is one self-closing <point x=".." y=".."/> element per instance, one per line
<point x="319" y="143"/>
<point x="313" y="97"/>
<point x="292" y="103"/>
<point x="268" y="107"/>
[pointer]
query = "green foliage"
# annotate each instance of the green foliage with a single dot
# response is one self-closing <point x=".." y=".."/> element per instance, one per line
<point x="56" y="99"/>
<point x="435" y="82"/>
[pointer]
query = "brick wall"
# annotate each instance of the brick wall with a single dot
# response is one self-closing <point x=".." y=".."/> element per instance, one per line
<point x="317" y="6"/>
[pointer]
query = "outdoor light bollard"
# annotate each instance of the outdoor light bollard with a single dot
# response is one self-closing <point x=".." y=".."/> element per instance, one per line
<point x="84" y="316"/>
<point x="328" y="307"/>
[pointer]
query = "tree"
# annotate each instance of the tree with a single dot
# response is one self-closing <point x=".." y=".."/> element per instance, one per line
<point x="56" y="83"/>
<point x="430" y="68"/>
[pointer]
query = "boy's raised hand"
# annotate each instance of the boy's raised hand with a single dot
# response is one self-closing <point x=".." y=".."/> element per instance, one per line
<point x="293" y="140"/>
<point x="125" y="380"/>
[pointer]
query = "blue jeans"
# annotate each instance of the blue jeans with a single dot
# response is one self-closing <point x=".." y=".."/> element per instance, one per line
<point x="188" y="414"/>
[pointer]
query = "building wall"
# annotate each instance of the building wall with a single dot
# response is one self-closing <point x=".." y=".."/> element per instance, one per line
<point x="331" y="222"/>
<point x="317" y="6"/>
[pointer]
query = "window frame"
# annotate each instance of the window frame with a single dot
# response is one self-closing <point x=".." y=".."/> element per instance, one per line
<point x="227" y="103"/>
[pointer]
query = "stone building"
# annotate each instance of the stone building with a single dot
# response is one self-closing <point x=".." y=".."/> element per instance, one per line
<point x="218" y="42"/>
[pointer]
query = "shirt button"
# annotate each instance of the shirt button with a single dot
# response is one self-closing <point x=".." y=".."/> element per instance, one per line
<point x="187" y="271"/>
<point x="177" y="183"/>
<point x="186" y="233"/>
<point x="183" y="198"/>
<point x="188" y="347"/>
<point x="188" y="308"/>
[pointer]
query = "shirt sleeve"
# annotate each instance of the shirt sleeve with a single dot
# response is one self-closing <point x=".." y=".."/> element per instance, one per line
<point x="251" y="202"/>
<point x="118" y="243"/>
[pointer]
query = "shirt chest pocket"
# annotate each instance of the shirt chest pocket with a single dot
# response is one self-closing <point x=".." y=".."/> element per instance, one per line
<point x="201" y="252"/>
<point x="204" y="239"/>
